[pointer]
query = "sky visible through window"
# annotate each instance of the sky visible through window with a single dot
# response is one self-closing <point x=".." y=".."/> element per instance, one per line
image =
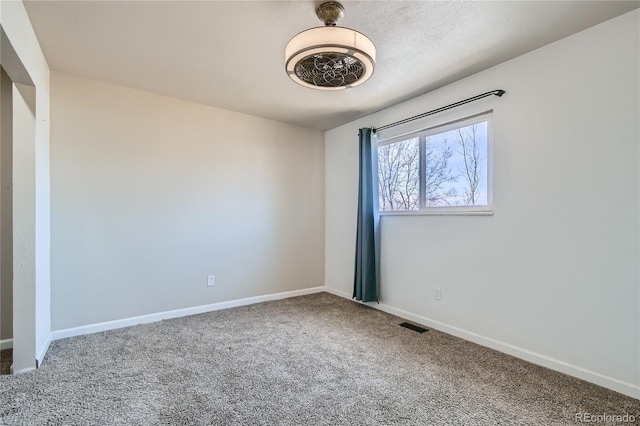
<point x="455" y="172"/>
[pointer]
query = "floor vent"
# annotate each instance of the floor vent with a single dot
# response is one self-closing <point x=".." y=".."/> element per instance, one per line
<point x="413" y="327"/>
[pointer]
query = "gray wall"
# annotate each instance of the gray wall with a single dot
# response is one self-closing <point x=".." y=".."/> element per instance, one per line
<point x="553" y="274"/>
<point x="151" y="194"/>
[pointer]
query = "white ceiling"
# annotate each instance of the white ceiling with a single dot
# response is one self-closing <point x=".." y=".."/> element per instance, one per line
<point x="230" y="54"/>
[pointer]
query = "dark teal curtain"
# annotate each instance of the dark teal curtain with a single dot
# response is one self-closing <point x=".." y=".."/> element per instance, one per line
<point x="367" y="271"/>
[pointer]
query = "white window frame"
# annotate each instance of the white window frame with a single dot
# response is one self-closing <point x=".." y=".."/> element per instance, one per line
<point x="422" y="134"/>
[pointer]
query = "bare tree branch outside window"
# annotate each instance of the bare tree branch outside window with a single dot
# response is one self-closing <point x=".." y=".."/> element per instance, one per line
<point x="398" y="169"/>
<point x="468" y="148"/>
<point x="437" y="174"/>
<point x="454" y="169"/>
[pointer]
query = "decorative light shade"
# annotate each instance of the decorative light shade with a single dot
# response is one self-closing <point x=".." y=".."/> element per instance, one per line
<point x="330" y="57"/>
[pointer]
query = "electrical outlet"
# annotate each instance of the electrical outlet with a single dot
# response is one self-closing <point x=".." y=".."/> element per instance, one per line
<point x="211" y="280"/>
<point x="438" y="293"/>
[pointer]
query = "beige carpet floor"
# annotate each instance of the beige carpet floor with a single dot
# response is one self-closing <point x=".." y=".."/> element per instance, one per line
<point x="311" y="360"/>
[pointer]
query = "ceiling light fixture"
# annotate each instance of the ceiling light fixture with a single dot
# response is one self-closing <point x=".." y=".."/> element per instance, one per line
<point x="330" y="57"/>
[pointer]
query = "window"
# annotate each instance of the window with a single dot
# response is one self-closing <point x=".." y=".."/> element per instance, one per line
<point x="444" y="169"/>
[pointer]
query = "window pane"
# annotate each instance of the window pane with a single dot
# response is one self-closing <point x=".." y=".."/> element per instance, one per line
<point x="398" y="169"/>
<point x="456" y="167"/>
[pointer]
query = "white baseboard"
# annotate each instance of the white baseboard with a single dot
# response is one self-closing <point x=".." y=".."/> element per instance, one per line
<point x="340" y="293"/>
<point x="620" y="386"/>
<point x="21" y="371"/>
<point x="159" y="316"/>
<point x="43" y="350"/>
<point x="8" y="344"/>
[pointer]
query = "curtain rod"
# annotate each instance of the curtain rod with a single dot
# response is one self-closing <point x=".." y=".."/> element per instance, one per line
<point x="444" y="108"/>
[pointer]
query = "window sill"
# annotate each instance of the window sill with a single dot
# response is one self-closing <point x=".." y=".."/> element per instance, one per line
<point x="443" y="212"/>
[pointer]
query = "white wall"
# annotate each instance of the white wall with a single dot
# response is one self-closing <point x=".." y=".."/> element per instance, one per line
<point x="31" y="245"/>
<point x="553" y="275"/>
<point x="6" y="216"/>
<point x="24" y="231"/>
<point x="151" y="194"/>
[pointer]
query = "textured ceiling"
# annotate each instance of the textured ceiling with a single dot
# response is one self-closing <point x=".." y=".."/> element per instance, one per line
<point x="230" y="54"/>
